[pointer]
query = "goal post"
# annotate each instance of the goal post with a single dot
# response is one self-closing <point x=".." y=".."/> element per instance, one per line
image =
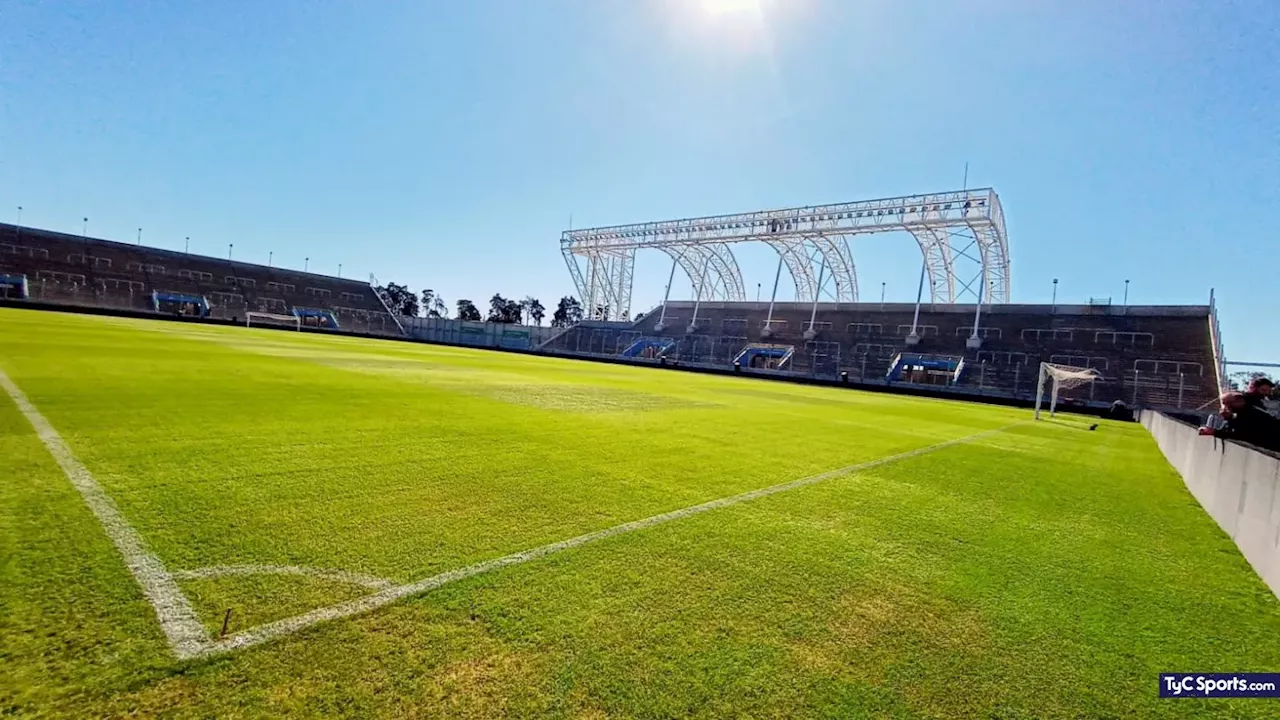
<point x="261" y="319"/>
<point x="1054" y="378"/>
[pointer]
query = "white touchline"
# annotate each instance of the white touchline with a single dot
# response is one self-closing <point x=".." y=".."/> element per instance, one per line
<point x="286" y="626"/>
<point x="186" y="635"/>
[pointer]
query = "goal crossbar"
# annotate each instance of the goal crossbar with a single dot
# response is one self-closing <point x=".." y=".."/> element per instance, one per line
<point x="273" y="319"/>
<point x="1055" y="378"/>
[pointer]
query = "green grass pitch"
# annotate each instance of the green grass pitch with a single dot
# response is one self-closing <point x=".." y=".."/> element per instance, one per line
<point x="1037" y="570"/>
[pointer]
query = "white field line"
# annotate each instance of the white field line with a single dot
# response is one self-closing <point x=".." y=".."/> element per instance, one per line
<point x="186" y="635"/>
<point x="263" y="633"/>
<point x="342" y="576"/>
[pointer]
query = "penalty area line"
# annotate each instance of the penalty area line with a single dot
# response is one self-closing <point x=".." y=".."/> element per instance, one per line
<point x="177" y="619"/>
<point x="279" y="628"/>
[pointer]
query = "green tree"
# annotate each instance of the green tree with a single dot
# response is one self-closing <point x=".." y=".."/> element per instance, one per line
<point x="533" y="310"/>
<point x="399" y="299"/>
<point x="502" y="310"/>
<point x="568" y="312"/>
<point x="433" y="305"/>
<point x="467" y="311"/>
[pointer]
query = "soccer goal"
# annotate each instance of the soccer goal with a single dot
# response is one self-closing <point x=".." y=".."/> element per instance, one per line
<point x="1063" y="377"/>
<point x="262" y="319"/>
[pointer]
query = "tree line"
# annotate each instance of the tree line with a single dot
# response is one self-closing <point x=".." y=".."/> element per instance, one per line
<point x="529" y="311"/>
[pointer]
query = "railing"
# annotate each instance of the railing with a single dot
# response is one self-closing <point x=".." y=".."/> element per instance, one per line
<point x="786" y="358"/>
<point x="1215" y="342"/>
<point x="373" y="285"/>
<point x="893" y="365"/>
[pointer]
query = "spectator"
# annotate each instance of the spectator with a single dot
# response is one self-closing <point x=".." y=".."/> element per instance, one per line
<point x="1261" y="393"/>
<point x="1119" y="411"/>
<point x="1246" y="421"/>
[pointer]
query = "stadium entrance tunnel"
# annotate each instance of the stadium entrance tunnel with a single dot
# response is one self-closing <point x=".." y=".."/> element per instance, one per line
<point x="648" y="347"/>
<point x="926" y="369"/>
<point x="771" y="357"/>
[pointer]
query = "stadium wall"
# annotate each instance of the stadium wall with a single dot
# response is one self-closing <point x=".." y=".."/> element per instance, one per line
<point x="446" y="331"/>
<point x="1237" y="484"/>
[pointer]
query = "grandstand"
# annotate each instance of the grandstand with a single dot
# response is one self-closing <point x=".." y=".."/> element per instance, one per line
<point x="981" y="345"/>
<point x="1152" y="356"/>
<point x="62" y="269"/>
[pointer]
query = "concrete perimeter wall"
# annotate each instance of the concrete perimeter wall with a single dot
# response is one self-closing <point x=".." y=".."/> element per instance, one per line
<point x="1238" y="485"/>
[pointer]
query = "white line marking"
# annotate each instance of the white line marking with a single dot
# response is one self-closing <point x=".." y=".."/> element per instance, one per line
<point x="187" y="636"/>
<point x="178" y="620"/>
<point x="342" y="576"/>
<point x="286" y="626"/>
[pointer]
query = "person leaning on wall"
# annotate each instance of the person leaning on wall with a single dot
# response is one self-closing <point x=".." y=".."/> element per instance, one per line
<point x="1247" y="419"/>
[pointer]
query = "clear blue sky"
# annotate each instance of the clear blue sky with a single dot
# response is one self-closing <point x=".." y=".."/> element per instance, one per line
<point x="447" y="144"/>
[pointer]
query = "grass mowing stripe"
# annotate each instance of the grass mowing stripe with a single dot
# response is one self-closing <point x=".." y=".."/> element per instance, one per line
<point x="280" y="628"/>
<point x="177" y="618"/>
<point x="342" y="576"/>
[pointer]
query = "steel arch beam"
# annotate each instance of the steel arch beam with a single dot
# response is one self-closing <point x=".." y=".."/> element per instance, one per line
<point x="796" y="257"/>
<point x="935" y="247"/>
<point x="839" y="261"/>
<point x="939" y="222"/>
<point x="723" y="279"/>
<point x="732" y="287"/>
<point x="995" y="265"/>
<point x="995" y="252"/>
<point x="691" y="260"/>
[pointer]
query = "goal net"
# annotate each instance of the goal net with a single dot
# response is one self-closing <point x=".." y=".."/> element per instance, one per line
<point x="1055" y="378"/>
<point x="263" y="319"/>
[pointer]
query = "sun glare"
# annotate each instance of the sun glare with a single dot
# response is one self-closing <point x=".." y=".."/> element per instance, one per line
<point x="730" y="7"/>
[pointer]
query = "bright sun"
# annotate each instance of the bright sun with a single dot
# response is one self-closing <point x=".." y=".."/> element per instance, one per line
<point x="729" y="7"/>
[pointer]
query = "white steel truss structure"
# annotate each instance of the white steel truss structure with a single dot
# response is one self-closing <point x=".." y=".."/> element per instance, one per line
<point x="961" y="235"/>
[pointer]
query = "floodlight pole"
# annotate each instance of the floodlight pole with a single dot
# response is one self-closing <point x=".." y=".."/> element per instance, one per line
<point x="768" y="323"/>
<point x="186" y="246"/>
<point x="1126" y="297"/>
<point x="1053" y="309"/>
<point x="139" y="236"/>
